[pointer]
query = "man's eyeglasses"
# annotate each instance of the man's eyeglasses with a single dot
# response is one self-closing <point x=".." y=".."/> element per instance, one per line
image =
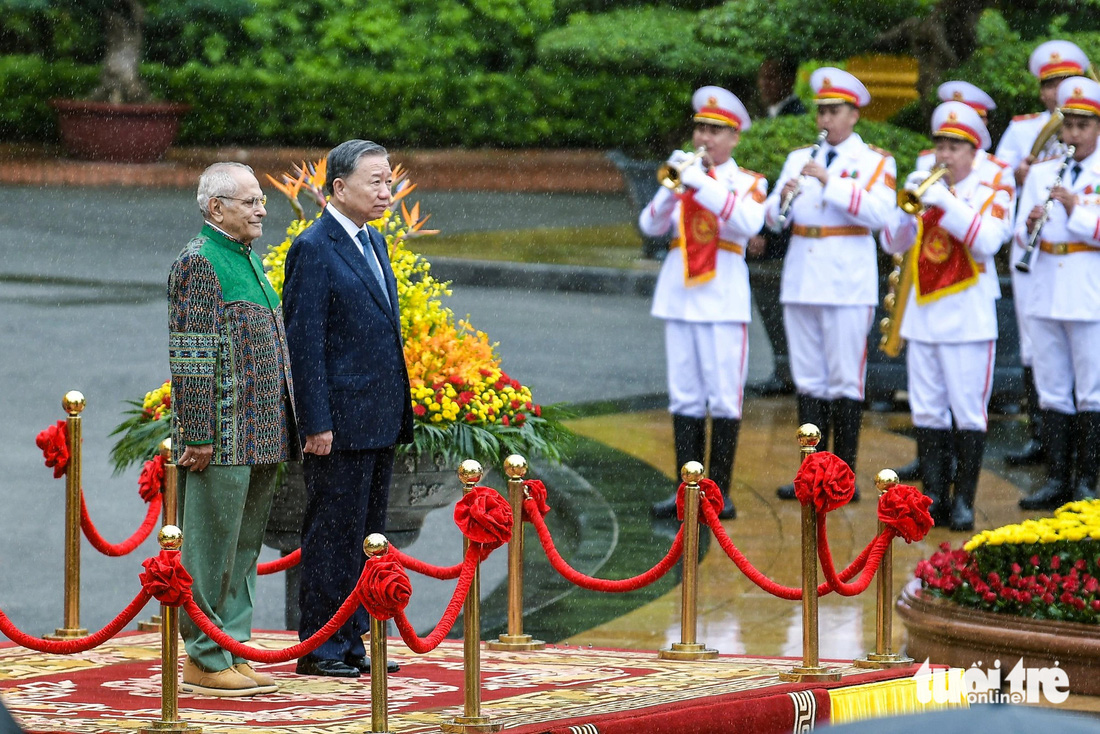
<point x="254" y="203"/>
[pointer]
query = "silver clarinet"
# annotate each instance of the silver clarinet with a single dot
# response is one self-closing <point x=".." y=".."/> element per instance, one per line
<point x="785" y="205"/>
<point x="1024" y="264"/>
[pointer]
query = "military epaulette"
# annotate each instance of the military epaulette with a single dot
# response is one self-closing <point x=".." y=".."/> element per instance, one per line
<point x="754" y="174"/>
<point x="1032" y="116"/>
<point x="929" y="151"/>
<point x="881" y="151"/>
<point x="998" y="161"/>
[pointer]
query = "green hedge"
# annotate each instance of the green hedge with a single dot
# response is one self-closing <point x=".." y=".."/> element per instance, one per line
<point x="765" y="146"/>
<point x="302" y="106"/>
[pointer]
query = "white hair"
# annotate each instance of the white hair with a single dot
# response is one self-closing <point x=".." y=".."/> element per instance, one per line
<point x="216" y="181"/>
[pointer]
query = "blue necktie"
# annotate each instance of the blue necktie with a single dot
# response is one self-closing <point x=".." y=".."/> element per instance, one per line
<point x="1076" y="171"/>
<point x="372" y="262"/>
<point x="830" y="156"/>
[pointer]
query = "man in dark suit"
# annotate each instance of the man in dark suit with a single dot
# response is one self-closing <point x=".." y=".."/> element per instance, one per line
<point x="344" y="331"/>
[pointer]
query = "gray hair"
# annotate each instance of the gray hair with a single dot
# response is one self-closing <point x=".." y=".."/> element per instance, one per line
<point x="343" y="159"/>
<point x="216" y="181"/>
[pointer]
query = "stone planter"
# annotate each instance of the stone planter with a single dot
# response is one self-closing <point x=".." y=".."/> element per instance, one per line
<point x="946" y="633"/>
<point x="118" y="133"/>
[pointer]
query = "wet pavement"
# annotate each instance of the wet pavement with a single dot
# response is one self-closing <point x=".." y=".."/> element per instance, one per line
<point x="82" y="307"/>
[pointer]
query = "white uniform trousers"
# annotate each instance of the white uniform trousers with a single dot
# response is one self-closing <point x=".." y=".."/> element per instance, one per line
<point x="948" y="380"/>
<point x="707" y="363"/>
<point x="828" y="346"/>
<point x="1023" y="321"/>
<point x="1066" y="360"/>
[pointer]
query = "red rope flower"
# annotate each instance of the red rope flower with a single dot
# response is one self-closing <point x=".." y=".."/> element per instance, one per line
<point x="824" y="480"/>
<point x="166" y="579"/>
<point x="385" y="588"/>
<point x="536" y="491"/>
<point x="904" y="509"/>
<point x="54" y="442"/>
<point x="151" y="481"/>
<point x="711" y="495"/>
<point x="484" y="516"/>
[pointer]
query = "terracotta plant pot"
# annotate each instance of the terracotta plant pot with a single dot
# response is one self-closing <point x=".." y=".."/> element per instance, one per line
<point x="118" y="133"/>
<point x="944" y="632"/>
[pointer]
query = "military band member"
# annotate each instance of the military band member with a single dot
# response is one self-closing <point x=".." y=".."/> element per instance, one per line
<point x="1050" y="62"/>
<point x="1063" y="302"/>
<point x="950" y="320"/>
<point x="702" y="291"/>
<point x="830" y="274"/>
<point x="989" y="169"/>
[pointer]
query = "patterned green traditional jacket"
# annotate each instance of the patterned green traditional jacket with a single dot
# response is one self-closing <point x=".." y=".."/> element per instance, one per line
<point x="231" y="384"/>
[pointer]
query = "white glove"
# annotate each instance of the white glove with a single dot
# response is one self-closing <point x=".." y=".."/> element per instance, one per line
<point x="694" y="176"/>
<point x="915" y="179"/>
<point x="678" y="157"/>
<point x="937" y="195"/>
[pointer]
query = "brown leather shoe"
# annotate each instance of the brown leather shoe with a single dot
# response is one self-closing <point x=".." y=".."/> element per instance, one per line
<point x="264" y="681"/>
<point x="223" y="683"/>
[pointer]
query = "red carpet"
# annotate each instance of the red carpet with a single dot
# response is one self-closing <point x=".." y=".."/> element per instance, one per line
<point x="567" y="690"/>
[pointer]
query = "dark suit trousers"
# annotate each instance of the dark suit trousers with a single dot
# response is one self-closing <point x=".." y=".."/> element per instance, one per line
<point x="346" y="497"/>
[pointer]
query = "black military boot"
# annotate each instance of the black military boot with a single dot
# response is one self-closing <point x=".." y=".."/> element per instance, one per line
<point x="816" y="411"/>
<point x="909" y="472"/>
<point x="934" y="450"/>
<point x="969" y="448"/>
<point x="723" y="449"/>
<point x="1088" y="455"/>
<point x="1032" y="452"/>
<point x="1058" y="441"/>
<point x="690" y="439"/>
<point x="847" y="422"/>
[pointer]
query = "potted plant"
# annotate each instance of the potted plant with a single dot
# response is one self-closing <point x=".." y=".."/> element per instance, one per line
<point x="1027" y="591"/>
<point x="118" y="122"/>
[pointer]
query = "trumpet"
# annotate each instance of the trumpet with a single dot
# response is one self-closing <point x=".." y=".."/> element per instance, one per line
<point x="910" y="201"/>
<point x="1024" y="264"/>
<point x="668" y="175"/>
<point x="785" y="205"/>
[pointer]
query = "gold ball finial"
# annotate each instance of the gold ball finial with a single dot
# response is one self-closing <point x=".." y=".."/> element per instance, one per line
<point x="692" y="472"/>
<point x="470" y="472"/>
<point x="165" y="449"/>
<point x="809" y="435"/>
<point x="515" y="467"/>
<point x="170" y="537"/>
<point x="73" y="402"/>
<point x="376" y="545"/>
<point x="886" y="479"/>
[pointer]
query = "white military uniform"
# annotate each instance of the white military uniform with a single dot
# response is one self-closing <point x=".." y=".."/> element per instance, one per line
<point x="1063" y="301"/>
<point x="829" y="287"/>
<point x="1020" y="135"/>
<point x="989" y="169"/>
<point x="952" y="340"/>
<point x="706" y="325"/>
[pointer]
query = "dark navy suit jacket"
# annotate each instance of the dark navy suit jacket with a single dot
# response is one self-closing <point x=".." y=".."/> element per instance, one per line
<point x="345" y="341"/>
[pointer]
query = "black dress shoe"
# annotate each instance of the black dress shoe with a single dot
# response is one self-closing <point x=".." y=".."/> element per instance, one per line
<point x="1030" y="454"/>
<point x="664" y="508"/>
<point x="362" y="664"/>
<point x="786" y="492"/>
<point x="321" y="666"/>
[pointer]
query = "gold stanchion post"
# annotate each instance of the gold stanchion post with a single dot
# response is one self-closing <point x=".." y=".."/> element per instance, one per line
<point x="73" y="403"/>
<point x="169" y="495"/>
<point x="882" y="657"/>
<point x="811" y="669"/>
<point x="687" y="648"/>
<point x="377" y="545"/>
<point x="471" y="722"/>
<point x="515" y="468"/>
<point x="171" y="538"/>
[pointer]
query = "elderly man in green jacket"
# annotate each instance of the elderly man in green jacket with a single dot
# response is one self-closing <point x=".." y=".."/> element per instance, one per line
<point x="232" y="399"/>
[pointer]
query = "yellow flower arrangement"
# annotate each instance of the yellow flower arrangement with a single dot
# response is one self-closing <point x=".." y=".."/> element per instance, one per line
<point x="1071" y="522"/>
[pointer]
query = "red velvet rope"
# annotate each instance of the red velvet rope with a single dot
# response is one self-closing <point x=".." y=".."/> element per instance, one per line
<point x="54" y="442"/>
<point x="288" y="561"/>
<point x="421" y="645"/>
<point x="880" y="544"/>
<point x="82" y="644"/>
<point x="152" y="514"/>
<point x="594" y="584"/>
<point x="305" y="647"/>
<point x="443" y="573"/>
<point x="790" y="593"/>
